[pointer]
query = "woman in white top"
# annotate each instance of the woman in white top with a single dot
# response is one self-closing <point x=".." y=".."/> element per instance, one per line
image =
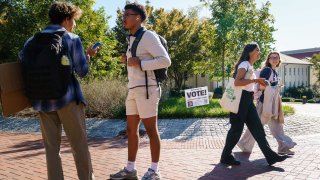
<point x="247" y="113"/>
<point x="285" y="143"/>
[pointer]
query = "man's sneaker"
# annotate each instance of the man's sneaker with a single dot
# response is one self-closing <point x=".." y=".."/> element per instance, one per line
<point x="151" y="175"/>
<point x="124" y="174"/>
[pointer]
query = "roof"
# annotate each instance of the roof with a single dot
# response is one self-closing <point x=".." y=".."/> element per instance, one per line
<point x="291" y="60"/>
<point x="299" y="51"/>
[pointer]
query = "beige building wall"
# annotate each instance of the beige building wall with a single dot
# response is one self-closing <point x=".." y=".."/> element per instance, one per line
<point x="293" y="75"/>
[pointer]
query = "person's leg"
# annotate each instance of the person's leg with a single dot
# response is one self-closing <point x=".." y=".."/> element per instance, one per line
<point x="148" y="111"/>
<point x="255" y="126"/>
<point x="152" y="130"/>
<point x="72" y="117"/>
<point x="234" y="134"/>
<point x="232" y="139"/>
<point x="285" y="143"/>
<point x="247" y="141"/>
<point x="133" y="122"/>
<point x="51" y="133"/>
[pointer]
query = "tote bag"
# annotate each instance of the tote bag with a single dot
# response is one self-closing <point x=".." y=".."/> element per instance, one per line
<point x="231" y="97"/>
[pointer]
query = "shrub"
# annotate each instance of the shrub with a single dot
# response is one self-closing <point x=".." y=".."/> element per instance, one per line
<point x="218" y="90"/>
<point x="298" y="92"/>
<point x="311" y="101"/>
<point x="298" y="100"/>
<point x="288" y="99"/>
<point x="176" y="93"/>
<point x="288" y="110"/>
<point x="105" y="98"/>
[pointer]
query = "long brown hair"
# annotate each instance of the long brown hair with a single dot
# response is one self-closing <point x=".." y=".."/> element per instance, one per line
<point x="267" y="63"/>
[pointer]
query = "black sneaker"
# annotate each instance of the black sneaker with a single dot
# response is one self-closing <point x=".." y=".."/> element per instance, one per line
<point x="277" y="159"/>
<point x="230" y="161"/>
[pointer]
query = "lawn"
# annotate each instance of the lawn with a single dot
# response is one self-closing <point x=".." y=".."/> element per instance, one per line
<point x="176" y="108"/>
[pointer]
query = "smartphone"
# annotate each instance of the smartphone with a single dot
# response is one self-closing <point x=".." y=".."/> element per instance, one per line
<point x="97" y="44"/>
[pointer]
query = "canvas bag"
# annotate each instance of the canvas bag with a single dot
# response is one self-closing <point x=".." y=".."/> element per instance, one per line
<point x="232" y="95"/>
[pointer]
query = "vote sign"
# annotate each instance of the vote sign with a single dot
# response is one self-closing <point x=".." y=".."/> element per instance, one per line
<point x="196" y="97"/>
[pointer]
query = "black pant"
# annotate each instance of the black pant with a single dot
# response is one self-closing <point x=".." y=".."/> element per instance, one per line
<point x="247" y="114"/>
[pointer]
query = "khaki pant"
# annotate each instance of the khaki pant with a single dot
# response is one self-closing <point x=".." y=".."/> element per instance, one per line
<point x="72" y="118"/>
<point x="276" y="128"/>
<point x="138" y="104"/>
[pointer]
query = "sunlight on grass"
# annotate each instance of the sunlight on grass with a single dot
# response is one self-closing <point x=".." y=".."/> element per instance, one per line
<point x="176" y="108"/>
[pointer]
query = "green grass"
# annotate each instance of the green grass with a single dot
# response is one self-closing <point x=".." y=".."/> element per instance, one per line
<point x="176" y="108"/>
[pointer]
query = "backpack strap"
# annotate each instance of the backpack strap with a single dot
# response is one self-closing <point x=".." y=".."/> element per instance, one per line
<point x="73" y="77"/>
<point x="133" y="51"/>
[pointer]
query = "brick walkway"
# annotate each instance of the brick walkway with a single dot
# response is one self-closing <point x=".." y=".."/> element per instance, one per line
<point x="22" y="155"/>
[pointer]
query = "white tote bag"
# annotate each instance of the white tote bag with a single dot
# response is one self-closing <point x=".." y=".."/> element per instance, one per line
<point x="231" y="97"/>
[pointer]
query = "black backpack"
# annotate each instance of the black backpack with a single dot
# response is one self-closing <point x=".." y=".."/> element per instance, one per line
<point x="46" y="67"/>
<point x="160" y="74"/>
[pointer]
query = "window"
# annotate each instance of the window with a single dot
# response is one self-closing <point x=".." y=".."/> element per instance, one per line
<point x="294" y="71"/>
<point x="285" y="71"/>
<point x="298" y="71"/>
<point x="302" y="71"/>
<point x="289" y="71"/>
<point x="289" y="84"/>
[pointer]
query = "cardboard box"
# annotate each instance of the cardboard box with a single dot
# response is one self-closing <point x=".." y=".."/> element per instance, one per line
<point x="12" y="95"/>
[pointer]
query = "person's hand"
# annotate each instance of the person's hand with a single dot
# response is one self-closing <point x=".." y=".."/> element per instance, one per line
<point x="134" y="62"/>
<point x="91" y="52"/>
<point x="124" y="57"/>
<point x="261" y="81"/>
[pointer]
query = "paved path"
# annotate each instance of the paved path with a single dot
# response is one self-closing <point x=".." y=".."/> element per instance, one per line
<point x="190" y="150"/>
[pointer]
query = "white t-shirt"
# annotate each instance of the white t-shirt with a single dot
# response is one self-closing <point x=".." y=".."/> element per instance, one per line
<point x="249" y="75"/>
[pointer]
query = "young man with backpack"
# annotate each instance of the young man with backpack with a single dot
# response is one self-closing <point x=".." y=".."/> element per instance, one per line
<point x="145" y="57"/>
<point x="49" y="60"/>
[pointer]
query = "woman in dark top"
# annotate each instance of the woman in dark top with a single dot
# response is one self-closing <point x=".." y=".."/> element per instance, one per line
<point x="247" y="113"/>
<point x="285" y="143"/>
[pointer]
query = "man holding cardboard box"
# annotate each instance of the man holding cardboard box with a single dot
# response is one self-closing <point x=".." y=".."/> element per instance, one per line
<point x="49" y="60"/>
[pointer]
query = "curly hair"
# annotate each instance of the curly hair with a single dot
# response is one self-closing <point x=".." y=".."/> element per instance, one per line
<point x="140" y="9"/>
<point x="59" y="11"/>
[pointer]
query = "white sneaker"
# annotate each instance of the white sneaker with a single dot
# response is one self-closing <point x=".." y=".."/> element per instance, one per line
<point x="151" y="175"/>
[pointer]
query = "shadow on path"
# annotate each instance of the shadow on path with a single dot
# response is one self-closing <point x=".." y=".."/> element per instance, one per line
<point x="246" y="170"/>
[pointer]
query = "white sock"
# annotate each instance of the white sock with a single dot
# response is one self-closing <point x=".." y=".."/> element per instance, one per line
<point x="131" y="165"/>
<point x="155" y="166"/>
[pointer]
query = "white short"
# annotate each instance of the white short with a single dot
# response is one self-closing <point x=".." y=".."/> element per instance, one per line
<point x="138" y="104"/>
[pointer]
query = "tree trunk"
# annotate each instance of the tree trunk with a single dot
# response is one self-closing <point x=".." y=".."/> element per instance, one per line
<point x="223" y="68"/>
